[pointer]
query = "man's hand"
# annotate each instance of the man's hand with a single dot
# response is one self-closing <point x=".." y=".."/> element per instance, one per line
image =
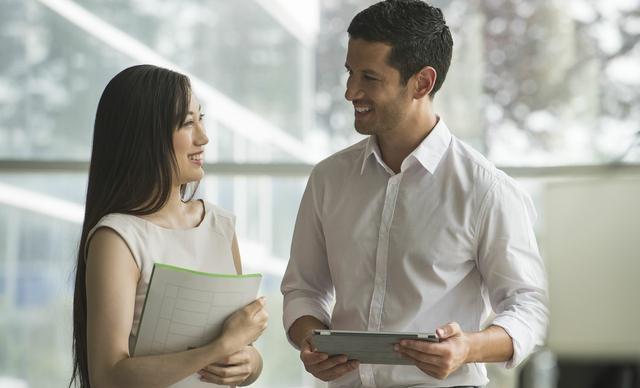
<point x="234" y="369"/>
<point x="438" y="359"/>
<point x="321" y="365"/>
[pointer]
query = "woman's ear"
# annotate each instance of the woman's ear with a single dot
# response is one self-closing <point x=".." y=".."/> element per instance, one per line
<point x="425" y="80"/>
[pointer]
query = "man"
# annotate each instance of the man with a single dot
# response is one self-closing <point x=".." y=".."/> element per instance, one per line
<point x="411" y="229"/>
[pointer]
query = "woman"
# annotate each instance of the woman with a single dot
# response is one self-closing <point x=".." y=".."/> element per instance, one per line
<point x="147" y="147"/>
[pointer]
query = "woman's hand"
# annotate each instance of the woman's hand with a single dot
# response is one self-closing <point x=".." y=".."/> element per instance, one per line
<point x="245" y="325"/>
<point x="234" y="369"/>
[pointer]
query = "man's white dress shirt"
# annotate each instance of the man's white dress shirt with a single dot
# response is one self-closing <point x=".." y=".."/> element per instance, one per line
<point x="448" y="238"/>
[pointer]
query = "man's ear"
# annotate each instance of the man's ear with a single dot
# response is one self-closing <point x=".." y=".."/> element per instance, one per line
<point x="424" y="82"/>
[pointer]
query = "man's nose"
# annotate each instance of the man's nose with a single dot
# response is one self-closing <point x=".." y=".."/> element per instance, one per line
<point x="353" y="91"/>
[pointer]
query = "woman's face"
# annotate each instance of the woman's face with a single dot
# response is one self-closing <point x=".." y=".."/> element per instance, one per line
<point x="188" y="144"/>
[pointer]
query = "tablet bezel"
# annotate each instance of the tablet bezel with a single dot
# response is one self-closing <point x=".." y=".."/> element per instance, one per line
<point x="368" y="347"/>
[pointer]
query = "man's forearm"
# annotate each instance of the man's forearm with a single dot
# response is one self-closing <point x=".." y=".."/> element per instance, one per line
<point x="303" y="327"/>
<point x="492" y="344"/>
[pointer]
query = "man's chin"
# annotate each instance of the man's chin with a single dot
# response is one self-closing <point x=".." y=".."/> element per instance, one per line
<point x="361" y="129"/>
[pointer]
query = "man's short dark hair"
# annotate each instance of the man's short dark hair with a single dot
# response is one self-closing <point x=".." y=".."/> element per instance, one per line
<point x="416" y="32"/>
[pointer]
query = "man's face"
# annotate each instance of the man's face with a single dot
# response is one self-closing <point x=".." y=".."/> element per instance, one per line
<point x="379" y="99"/>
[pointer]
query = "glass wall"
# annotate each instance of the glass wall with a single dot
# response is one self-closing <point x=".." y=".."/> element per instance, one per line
<point x="532" y="83"/>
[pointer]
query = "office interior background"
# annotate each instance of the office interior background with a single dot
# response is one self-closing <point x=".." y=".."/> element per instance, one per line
<point x="549" y="90"/>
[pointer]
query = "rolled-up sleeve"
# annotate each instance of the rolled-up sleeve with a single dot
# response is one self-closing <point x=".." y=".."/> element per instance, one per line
<point x="306" y="286"/>
<point x="511" y="266"/>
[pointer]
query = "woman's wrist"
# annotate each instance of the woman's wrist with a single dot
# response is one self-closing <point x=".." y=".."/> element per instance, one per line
<point x="219" y="348"/>
<point x="256" y="366"/>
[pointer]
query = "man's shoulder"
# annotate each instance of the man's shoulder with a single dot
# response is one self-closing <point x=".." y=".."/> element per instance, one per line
<point x="474" y="166"/>
<point x="342" y="161"/>
<point x="485" y="176"/>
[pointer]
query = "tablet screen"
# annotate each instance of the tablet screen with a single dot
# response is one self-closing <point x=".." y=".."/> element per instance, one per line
<point x="366" y="347"/>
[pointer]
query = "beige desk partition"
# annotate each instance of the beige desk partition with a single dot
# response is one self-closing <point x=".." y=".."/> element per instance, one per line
<point x="591" y="245"/>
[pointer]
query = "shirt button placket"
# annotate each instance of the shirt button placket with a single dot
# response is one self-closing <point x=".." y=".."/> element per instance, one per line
<point x="380" y="283"/>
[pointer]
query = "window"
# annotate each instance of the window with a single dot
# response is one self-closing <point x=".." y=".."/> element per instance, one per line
<point x="532" y="83"/>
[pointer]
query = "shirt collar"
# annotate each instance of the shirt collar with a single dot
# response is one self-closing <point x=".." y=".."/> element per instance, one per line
<point x="371" y="148"/>
<point x="429" y="152"/>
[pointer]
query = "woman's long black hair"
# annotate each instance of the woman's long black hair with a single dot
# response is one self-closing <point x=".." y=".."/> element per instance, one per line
<point x="132" y="166"/>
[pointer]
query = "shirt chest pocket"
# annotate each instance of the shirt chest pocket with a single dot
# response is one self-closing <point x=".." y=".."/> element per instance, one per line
<point x="438" y="240"/>
<point x="446" y="247"/>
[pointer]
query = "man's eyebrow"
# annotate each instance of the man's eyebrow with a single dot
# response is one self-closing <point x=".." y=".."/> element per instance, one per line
<point x="368" y="71"/>
<point x="371" y="72"/>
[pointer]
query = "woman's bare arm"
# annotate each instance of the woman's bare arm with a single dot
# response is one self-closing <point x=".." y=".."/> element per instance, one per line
<point x="112" y="276"/>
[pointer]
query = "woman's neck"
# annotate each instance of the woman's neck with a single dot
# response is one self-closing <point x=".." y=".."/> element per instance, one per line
<point x="176" y="214"/>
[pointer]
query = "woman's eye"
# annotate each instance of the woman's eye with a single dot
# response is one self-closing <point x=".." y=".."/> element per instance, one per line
<point x="188" y="124"/>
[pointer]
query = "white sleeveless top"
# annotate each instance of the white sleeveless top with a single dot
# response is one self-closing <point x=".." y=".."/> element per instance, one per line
<point x="206" y="248"/>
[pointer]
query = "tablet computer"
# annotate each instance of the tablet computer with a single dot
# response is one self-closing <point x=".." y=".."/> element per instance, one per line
<point x="368" y="347"/>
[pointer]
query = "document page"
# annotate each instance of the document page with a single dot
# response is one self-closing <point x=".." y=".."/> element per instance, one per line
<point x="186" y="309"/>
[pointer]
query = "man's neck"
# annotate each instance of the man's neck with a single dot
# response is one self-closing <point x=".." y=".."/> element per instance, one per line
<point x="396" y="145"/>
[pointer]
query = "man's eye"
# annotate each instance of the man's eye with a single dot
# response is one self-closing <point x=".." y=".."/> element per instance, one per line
<point x="370" y="78"/>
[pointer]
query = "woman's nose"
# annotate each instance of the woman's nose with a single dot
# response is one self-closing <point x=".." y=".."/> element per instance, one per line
<point x="201" y="135"/>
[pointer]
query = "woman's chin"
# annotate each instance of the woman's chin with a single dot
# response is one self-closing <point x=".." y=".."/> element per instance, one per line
<point x="192" y="178"/>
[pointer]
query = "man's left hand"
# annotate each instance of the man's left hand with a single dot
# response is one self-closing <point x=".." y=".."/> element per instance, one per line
<point x="438" y="359"/>
<point x="232" y="370"/>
